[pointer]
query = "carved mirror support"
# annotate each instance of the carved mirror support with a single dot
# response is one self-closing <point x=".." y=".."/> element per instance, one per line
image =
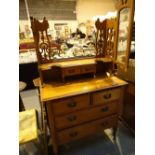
<point x="44" y="49"/>
<point x="100" y="38"/>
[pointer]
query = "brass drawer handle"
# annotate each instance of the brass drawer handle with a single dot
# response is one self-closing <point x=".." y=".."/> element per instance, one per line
<point x="104" y="123"/>
<point x="71" y="118"/>
<point x="105" y="109"/>
<point x="71" y="104"/>
<point x="73" y="134"/>
<point x="107" y="96"/>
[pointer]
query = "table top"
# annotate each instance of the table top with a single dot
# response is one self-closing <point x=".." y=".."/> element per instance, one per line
<point x="22" y="85"/>
<point x="53" y="90"/>
<point x="27" y="126"/>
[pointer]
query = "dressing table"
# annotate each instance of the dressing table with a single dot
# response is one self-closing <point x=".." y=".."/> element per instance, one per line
<point x="79" y="107"/>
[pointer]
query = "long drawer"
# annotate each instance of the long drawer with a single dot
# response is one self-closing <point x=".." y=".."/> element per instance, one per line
<point x="106" y="96"/>
<point x="85" y="115"/>
<point x="78" y="132"/>
<point x="71" y="104"/>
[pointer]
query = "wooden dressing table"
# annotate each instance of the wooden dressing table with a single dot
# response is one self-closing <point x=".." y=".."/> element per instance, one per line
<point x="74" y="107"/>
<point x="79" y="107"/>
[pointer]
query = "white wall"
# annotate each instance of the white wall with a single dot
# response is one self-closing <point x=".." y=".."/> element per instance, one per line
<point x="87" y="9"/>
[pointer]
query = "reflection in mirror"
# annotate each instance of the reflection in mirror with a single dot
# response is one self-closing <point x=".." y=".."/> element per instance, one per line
<point x="123" y="35"/>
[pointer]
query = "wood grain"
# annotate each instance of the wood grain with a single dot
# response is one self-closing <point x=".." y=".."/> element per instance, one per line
<point x="51" y="91"/>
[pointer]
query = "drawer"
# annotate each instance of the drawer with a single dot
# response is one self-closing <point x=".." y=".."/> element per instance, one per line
<point x="85" y="115"/>
<point x="78" y="132"/>
<point x="88" y="69"/>
<point x="106" y="96"/>
<point x="67" y="105"/>
<point x="71" y="71"/>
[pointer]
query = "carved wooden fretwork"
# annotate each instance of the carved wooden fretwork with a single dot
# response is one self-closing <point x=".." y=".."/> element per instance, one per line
<point x="41" y="39"/>
<point x="105" y="37"/>
<point x="110" y="37"/>
<point x="100" y="38"/>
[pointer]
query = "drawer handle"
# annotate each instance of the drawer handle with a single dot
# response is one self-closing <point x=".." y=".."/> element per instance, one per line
<point x="105" y="109"/>
<point x="71" y="104"/>
<point x="107" y="96"/>
<point x="104" y="123"/>
<point x="71" y="118"/>
<point x="73" y="134"/>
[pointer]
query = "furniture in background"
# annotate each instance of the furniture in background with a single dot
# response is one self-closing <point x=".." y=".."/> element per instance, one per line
<point x="28" y="72"/>
<point x="125" y="22"/>
<point x="22" y="86"/>
<point x="128" y="115"/>
<point x="28" y="130"/>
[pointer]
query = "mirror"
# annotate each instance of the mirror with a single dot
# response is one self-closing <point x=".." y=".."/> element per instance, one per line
<point x="123" y="35"/>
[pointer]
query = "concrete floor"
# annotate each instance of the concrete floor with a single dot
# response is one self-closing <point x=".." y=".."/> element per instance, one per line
<point x="99" y="144"/>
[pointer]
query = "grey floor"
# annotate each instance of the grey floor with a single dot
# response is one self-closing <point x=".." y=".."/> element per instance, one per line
<point x="99" y="144"/>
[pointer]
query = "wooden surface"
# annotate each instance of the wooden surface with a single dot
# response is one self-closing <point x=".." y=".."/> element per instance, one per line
<point x="51" y="91"/>
<point x="72" y="63"/>
<point x="102" y="97"/>
<point x="111" y="27"/>
<point x="86" y="129"/>
<point x="22" y="85"/>
<point x="75" y="106"/>
<point x="69" y="105"/>
<point x="36" y="82"/>
<point x="27" y="126"/>
<point x="78" y="117"/>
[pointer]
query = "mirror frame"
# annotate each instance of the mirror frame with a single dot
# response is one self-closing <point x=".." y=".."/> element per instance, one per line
<point x="122" y="4"/>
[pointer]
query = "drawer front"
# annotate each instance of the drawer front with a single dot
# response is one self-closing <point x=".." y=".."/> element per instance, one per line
<point x="106" y="96"/>
<point x="85" y="115"/>
<point x="71" y="71"/>
<point x="67" y="105"/>
<point x="86" y="129"/>
<point x="88" y="69"/>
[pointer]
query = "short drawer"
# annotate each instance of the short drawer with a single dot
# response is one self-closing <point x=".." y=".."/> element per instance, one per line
<point x="71" y="71"/>
<point x="88" y="69"/>
<point x="67" y="105"/>
<point x="78" y="132"/>
<point x="85" y="115"/>
<point x="106" y="96"/>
